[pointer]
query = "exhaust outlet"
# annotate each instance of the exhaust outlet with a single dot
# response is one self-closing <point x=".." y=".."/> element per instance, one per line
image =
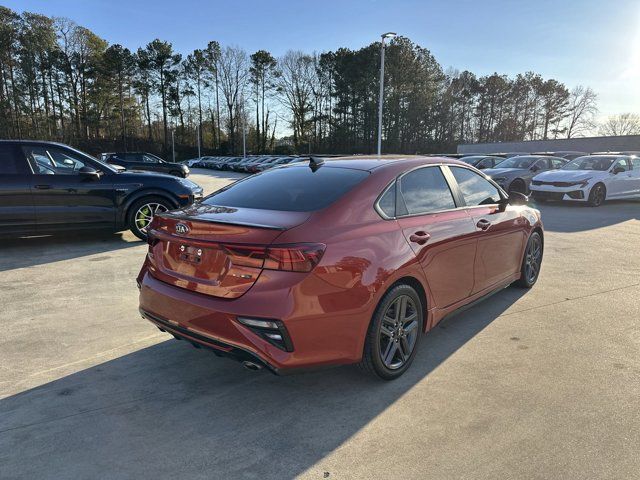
<point x="251" y="366"/>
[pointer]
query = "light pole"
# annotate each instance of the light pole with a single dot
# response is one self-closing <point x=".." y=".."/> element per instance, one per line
<point x="173" y="144"/>
<point x="381" y="97"/>
<point x="198" y="130"/>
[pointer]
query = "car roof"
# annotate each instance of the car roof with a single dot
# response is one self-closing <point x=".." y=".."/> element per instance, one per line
<point x="373" y="162"/>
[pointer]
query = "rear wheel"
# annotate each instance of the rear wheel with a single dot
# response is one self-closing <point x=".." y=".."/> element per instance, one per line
<point x="531" y="262"/>
<point x="393" y="334"/>
<point x="142" y="212"/>
<point x="597" y="195"/>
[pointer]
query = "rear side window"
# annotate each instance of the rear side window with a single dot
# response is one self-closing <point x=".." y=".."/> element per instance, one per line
<point x="426" y="190"/>
<point x="387" y="202"/>
<point x="11" y="163"/>
<point x="475" y="189"/>
<point x="296" y="189"/>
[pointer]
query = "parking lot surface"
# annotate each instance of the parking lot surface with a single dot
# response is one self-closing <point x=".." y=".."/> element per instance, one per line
<point x="528" y="384"/>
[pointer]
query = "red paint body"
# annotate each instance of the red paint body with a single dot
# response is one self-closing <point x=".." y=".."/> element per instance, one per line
<point x="327" y="311"/>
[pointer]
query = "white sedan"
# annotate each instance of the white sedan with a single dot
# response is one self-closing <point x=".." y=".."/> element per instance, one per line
<point x="592" y="179"/>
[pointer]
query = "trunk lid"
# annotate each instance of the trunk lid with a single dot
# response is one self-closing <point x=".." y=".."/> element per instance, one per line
<point x="214" y="250"/>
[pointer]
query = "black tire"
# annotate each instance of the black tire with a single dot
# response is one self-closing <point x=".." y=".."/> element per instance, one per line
<point x="398" y="361"/>
<point x="531" y="262"/>
<point x="518" y="185"/>
<point x="135" y="224"/>
<point x="597" y="195"/>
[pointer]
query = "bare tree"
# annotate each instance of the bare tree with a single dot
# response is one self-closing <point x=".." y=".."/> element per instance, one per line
<point x="234" y="72"/>
<point x="622" y="124"/>
<point x="295" y="84"/>
<point x="582" y="109"/>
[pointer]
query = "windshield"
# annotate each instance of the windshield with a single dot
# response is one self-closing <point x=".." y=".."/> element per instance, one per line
<point x="305" y="190"/>
<point x="105" y="167"/>
<point x="591" y="162"/>
<point x="473" y="159"/>
<point x="517" y="162"/>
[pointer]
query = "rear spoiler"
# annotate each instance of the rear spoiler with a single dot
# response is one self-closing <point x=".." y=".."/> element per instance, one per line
<point x="228" y="222"/>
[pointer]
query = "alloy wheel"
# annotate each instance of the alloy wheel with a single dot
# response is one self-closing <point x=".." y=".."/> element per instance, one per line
<point x="598" y="195"/>
<point x="398" y="332"/>
<point x="145" y="214"/>
<point x="533" y="259"/>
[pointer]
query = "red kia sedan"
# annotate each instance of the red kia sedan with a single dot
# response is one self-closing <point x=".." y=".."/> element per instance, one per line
<point x="336" y="262"/>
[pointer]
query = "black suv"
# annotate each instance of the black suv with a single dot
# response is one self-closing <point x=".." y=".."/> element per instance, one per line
<point x="48" y="187"/>
<point x="146" y="161"/>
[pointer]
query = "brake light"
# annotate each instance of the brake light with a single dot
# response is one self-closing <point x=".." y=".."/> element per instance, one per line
<point x="299" y="257"/>
<point x="245" y="255"/>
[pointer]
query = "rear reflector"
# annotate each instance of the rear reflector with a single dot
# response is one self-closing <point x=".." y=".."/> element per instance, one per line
<point x="273" y="331"/>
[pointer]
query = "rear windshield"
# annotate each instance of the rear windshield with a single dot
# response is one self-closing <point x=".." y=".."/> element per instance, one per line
<point x="294" y="189"/>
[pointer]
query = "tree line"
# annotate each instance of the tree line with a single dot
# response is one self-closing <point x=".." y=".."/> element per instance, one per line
<point x="60" y="81"/>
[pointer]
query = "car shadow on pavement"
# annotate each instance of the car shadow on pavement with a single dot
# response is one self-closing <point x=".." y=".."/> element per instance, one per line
<point x="171" y="411"/>
<point x="555" y="215"/>
<point x="30" y="251"/>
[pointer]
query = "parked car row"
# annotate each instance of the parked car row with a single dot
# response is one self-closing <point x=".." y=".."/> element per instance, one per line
<point x="568" y="175"/>
<point x="145" y="161"/>
<point x="250" y="164"/>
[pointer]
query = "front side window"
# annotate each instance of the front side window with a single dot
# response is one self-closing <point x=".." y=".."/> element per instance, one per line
<point x="475" y="189"/>
<point x="53" y="160"/>
<point x="425" y="191"/>
<point x="557" y="163"/>
<point x="623" y="163"/>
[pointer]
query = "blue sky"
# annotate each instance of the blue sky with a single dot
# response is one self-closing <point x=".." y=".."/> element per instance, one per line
<point x="590" y="42"/>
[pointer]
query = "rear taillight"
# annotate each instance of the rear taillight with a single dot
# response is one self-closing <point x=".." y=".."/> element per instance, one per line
<point x="298" y="257"/>
<point x="245" y="255"/>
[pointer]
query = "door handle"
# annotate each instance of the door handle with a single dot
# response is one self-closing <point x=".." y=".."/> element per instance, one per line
<point x="483" y="224"/>
<point x="42" y="187"/>
<point x="420" y="237"/>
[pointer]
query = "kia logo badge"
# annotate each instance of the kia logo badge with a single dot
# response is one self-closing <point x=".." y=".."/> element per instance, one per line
<point x="181" y="228"/>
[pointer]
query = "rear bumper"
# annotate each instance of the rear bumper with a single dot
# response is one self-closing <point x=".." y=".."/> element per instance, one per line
<point x="320" y="337"/>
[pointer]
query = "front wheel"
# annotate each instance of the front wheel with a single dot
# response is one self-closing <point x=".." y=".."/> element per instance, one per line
<point x="393" y="334"/>
<point x="531" y="262"/>
<point x="597" y="195"/>
<point x="518" y="186"/>
<point x="142" y="212"/>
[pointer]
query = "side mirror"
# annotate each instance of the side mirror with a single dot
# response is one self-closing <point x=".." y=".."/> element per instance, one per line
<point x="517" y="198"/>
<point x="89" y="173"/>
<point x="618" y="170"/>
<point x="535" y="168"/>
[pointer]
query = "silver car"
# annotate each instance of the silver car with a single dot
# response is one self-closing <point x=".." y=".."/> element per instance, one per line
<point x="514" y="174"/>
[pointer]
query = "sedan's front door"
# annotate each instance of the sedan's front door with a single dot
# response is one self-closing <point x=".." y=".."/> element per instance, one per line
<point x="500" y="230"/>
<point x="63" y="196"/>
<point x="440" y="234"/>
<point x="623" y="182"/>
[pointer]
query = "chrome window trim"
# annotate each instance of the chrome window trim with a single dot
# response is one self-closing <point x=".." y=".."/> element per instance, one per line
<point x="396" y="180"/>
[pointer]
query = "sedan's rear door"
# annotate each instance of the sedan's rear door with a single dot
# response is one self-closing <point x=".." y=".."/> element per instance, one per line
<point x="17" y="211"/>
<point x="440" y="234"/>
